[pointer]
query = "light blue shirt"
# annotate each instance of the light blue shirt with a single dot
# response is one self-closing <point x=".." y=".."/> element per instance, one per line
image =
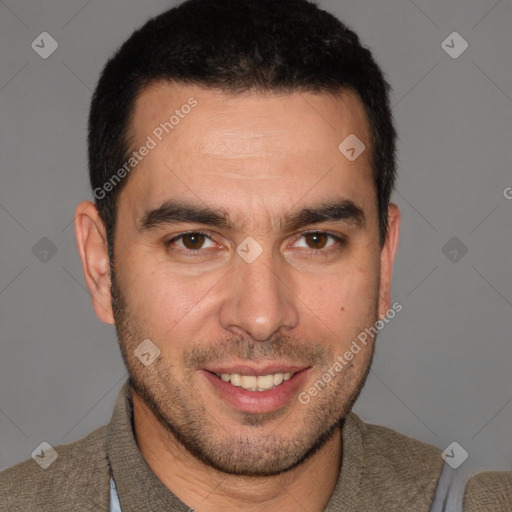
<point x="450" y="490"/>
<point x="115" y="506"/>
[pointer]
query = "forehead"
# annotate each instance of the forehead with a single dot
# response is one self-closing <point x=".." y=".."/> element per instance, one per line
<point x="246" y="151"/>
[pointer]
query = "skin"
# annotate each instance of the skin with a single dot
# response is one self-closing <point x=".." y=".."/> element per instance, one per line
<point x="258" y="156"/>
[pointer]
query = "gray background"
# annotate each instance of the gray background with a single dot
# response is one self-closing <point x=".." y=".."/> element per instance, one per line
<point x="442" y="370"/>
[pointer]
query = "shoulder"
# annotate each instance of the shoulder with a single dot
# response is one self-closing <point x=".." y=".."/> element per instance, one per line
<point x="405" y="454"/>
<point x="79" y="477"/>
<point x="412" y="468"/>
<point x="398" y="470"/>
<point x="490" y="491"/>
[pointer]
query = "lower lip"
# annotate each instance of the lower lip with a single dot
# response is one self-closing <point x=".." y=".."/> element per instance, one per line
<point x="257" y="401"/>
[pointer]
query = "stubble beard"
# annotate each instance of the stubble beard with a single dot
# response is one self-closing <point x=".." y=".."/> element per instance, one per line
<point x="248" y="452"/>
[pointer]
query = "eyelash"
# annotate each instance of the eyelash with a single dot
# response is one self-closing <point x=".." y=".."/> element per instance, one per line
<point x="189" y="253"/>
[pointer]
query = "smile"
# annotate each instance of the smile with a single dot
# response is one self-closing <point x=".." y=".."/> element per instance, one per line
<point x="255" y="382"/>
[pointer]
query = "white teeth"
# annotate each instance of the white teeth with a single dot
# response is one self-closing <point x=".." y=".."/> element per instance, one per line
<point x="278" y="378"/>
<point x="265" y="381"/>
<point x="255" y="383"/>
<point x="249" y="382"/>
<point x="236" y="380"/>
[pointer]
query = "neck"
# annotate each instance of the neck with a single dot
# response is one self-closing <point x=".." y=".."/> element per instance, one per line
<point x="307" y="486"/>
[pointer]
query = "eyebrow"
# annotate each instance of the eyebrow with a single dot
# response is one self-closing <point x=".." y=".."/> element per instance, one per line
<point x="177" y="211"/>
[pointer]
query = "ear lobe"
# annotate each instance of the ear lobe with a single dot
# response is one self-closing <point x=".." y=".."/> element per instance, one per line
<point x="93" y="249"/>
<point x="387" y="258"/>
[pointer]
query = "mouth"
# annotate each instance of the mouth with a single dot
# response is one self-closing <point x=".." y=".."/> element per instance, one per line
<point x="257" y="390"/>
<point x="256" y="382"/>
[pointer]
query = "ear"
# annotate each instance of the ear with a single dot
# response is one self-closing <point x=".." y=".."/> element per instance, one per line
<point x="92" y="245"/>
<point x="387" y="259"/>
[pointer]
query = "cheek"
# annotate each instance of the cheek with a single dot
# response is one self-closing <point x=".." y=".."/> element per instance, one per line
<point x="169" y="305"/>
<point x="348" y="291"/>
<point x="345" y="304"/>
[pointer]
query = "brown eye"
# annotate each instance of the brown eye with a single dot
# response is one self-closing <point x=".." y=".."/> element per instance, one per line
<point x="193" y="241"/>
<point x="194" y="244"/>
<point x="320" y="242"/>
<point x="317" y="240"/>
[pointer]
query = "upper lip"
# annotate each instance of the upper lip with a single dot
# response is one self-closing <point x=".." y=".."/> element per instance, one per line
<point x="253" y="370"/>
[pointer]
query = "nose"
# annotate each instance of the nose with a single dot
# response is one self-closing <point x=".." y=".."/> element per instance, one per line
<point x="259" y="299"/>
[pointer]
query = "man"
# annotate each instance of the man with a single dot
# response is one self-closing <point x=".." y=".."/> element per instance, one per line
<point x="242" y="157"/>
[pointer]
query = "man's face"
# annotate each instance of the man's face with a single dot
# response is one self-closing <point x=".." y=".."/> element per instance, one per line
<point x="212" y="309"/>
